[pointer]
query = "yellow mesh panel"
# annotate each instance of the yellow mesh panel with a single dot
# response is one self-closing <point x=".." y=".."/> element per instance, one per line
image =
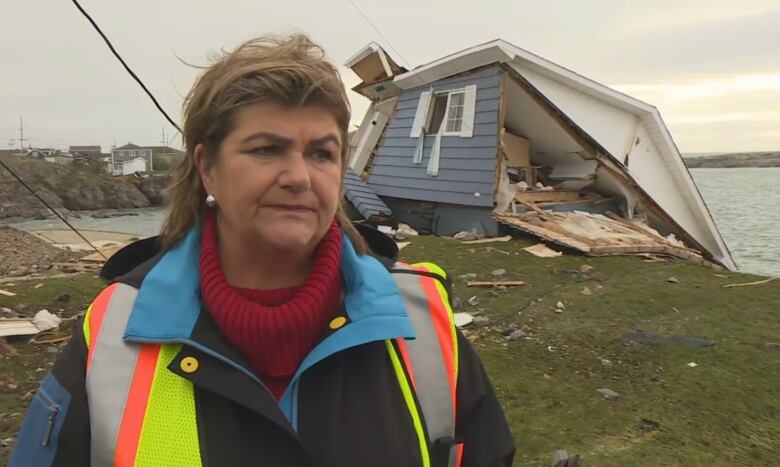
<point x="85" y="325"/>
<point x="169" y="436"/>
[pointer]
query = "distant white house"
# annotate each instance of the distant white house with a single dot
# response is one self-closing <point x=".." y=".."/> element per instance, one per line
<point x="127" y="157"/>
<point x="130" y="166"/>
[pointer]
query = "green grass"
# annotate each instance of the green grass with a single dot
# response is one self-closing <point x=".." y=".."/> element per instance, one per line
<point x="726" y="411"/>
<point x="22" y="371"/>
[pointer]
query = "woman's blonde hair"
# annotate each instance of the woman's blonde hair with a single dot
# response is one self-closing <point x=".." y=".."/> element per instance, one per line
<point x="291" y="70"/>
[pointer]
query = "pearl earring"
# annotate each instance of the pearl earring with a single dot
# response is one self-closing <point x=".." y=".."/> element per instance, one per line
<point x="211" y="201"/>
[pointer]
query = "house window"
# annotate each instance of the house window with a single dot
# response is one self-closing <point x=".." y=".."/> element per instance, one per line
<point x="454" y="109"/>
<point x="436" y="115"/>
<point x="455" y="112"/>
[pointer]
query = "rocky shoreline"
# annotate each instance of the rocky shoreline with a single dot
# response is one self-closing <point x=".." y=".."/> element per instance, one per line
<point x="72" y="189"/>
<point x="736" y="160"/>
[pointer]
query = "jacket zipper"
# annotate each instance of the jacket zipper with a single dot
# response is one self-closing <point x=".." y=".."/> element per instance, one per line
<point x="54" y="409"/>
<point x="293" y="405"/>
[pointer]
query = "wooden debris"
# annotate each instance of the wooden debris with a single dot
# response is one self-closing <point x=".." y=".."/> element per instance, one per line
<point x="542" y="251"/>
<point x="595" y="235"/>
<point x="17" y="327"/>
<point x="747" y="284"/>
<point x="495" y="283"/>
<point x="7" y="293"/>
<point x="402" y="245"/>
<point x="54" y="340"/>
<point x="488" y="240"/>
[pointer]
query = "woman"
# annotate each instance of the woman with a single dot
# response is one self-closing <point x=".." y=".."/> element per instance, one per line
<point x="259" y="328"/>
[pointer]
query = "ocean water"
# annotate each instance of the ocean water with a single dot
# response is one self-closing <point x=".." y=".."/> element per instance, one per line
<point x="744" y="202"/>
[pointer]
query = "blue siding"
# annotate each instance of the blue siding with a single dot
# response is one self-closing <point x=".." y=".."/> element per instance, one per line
<point x="466" y="165"/>
<point x="362" y="197"/>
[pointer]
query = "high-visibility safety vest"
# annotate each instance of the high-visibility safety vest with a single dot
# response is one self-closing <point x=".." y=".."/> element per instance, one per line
<point x="137" y="406"/>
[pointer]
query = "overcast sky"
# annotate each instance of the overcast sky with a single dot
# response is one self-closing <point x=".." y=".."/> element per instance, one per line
<point x="712" y="67"/>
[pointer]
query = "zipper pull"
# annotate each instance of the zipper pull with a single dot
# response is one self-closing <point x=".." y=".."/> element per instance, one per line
<point x="50" y="426"/>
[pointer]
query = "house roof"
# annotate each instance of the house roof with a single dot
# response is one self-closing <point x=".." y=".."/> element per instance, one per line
<point x="363" y="197"/>
<point x="129" y="146"/>
<point x="500" y="51"/>
<point x="84" y="149"/>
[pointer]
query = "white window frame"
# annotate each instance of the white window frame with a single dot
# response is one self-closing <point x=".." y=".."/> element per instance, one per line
<point x="425" y="108"/>
<point x="445" y="120"/>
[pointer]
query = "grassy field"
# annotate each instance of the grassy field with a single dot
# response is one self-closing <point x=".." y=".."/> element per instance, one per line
<point x="725" y="411"/>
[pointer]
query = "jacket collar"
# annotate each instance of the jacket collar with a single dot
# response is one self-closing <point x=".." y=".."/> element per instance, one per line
<point x="168" y="303"/>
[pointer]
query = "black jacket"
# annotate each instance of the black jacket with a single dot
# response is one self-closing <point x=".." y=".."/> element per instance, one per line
<point x="349" y="410"/>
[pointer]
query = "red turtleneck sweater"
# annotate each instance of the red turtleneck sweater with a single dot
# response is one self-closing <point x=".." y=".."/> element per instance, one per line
<point x="273" y="329"/>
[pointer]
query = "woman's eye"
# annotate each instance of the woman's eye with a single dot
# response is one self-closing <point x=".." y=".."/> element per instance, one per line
<point x="266" y="150"/>
<point x="323" y="155"/>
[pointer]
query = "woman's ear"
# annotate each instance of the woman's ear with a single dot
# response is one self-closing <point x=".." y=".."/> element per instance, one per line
<point x="205" y="168"/>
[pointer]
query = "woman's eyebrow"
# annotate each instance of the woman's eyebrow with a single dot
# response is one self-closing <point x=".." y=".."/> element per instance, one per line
<point x="273" y="138"/>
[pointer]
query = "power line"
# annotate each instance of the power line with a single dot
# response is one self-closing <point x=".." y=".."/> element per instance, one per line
<point x="129" y="70"/>
<point x="51" y="208"/>
<point x="370" y="23"/>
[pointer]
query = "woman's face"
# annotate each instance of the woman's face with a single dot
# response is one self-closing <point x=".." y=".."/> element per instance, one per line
<point x="277" y="177"/>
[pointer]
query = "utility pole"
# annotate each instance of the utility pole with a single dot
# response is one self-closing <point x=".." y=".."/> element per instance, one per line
<point x="21" y="135"/>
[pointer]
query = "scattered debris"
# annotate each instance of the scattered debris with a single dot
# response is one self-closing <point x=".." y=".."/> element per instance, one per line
<point x="560" y="306"/>
<point x="586" y="291"/>
<point x="562" y="459"/>
<point x="498" y="272"/>
<point x="495" y="284"/>
<point x="747" y="284"/>
<point x="402" y="245"/>
<point x="63" y="298"/>
<point x="480" y="321"/>
<point x="673" y="280"/>
<point x="473" y="301"/>
<point x="587" y="269"/>
<point x="467" y="235"/>
<point x="693" y="364"/>
<point x="646" y="426"/>
<point x="44" y="320"/>
<point x="17" y="327"/>
<point x="773" y="345"/>
<point x="463" y="319"/>
<point x="38" y="286"/>
<point x="516" y="335"/>
<point x="7" y="311"/>
<point x="7" y="293"/>
<point x="596" y="234"/>
<point x="55" y="340"/>
<point x="405" y="231"/>
<point x="641" y="336"/>
<point x="490" y="248"/>
<point x="609" y="394"/>
<point x="722" y="276"/>
<point x="606" y="362"/>
<point x="467" y="276"/>
<point x="488" y="240"/>
<point x="541" y="250"/>
<point x="570" y="273"/>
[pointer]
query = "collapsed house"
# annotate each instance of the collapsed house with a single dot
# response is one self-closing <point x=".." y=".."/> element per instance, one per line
<point x="496" y="136"/>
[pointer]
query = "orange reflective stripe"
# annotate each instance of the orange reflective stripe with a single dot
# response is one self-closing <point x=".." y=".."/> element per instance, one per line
<point x="442" y="324"/>
<point x="97" y="311"/>
<point x="404" y="351"/>
<point x="135" y="408"/>
<point x="458" y="454"/>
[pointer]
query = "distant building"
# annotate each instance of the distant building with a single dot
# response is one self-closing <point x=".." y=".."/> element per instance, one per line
<point x="129" y="153"/>
<point x="130" y="166"/>
<point x="84" y="150"/>
<point x="41" y="153"/>
<point x="164" y="151"/>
